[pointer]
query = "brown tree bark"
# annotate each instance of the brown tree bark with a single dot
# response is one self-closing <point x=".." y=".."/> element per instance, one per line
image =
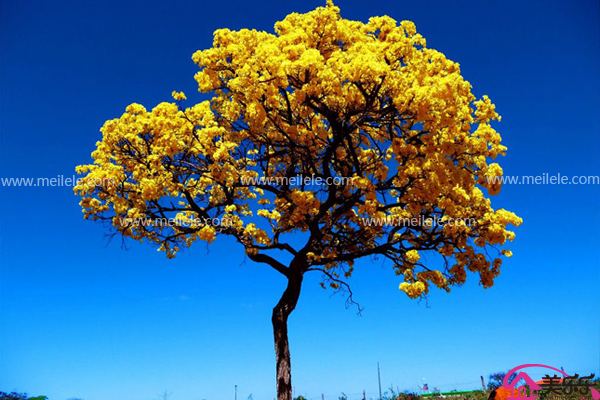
<point x="281" y="312"/>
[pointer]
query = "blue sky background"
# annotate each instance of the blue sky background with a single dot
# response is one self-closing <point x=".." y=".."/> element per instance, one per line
<point x="84" y="317"/>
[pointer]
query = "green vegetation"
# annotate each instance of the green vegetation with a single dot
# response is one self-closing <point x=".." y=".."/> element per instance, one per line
<point x="19" y="396"/>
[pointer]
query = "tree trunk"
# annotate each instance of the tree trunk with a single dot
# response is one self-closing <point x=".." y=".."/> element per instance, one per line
<point x="281" y="312"/>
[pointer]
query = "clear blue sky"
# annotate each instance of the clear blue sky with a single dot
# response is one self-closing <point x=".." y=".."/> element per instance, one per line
<point x="83" y="317"/>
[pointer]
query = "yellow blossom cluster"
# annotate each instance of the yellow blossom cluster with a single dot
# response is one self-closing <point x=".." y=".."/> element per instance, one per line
<point x="328" y="97"/>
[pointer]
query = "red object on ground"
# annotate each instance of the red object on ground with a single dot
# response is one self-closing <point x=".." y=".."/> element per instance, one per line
<point x="503" y="394"/>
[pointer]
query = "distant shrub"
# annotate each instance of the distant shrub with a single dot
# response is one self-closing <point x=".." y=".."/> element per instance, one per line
<point x="13" y="396"/>
<point x="496" y="380"/>
<point x="20" y="396"/>
<point x="406" y="395"/>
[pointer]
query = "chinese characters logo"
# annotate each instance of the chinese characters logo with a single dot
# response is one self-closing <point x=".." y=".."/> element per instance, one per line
<point x="549" y="384"/>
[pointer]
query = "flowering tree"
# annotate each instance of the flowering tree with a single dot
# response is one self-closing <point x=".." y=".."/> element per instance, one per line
<point x="390" y="124"/>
